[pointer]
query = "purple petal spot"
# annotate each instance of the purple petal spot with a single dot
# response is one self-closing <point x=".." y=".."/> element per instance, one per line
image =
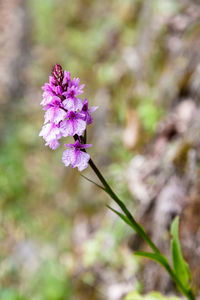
<point x="71" y="92"/>
<point x="71" y="115"/>
<point x="78" y="145"/>
<point x="85" y="104"/>
<point x="56" y="101"/>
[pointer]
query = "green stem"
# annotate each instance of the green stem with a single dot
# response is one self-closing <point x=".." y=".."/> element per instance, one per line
<point x="139" y="229"/>
<point x="110" y="192"/>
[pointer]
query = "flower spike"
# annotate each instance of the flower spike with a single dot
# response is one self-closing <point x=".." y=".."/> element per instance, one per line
<point x="66" y="115"/>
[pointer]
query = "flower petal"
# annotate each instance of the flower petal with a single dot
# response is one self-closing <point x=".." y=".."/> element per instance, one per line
<point x="68" y="157"/>
<point x="67" y="77"/>
<point x="50" y="132"/>
<point x="45" y="130"/>
<point x="82" y="159"/>
<point x="47" y="98"/>
<point x="55" y="115"/>
<point x="67" y="128"/>
<point x="79" y="126"/>
<point x="72" y="104"/>
<point x="92" y="109"/>
<point x="54" y="144"/>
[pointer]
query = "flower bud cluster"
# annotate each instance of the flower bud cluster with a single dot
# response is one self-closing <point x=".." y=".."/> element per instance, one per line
<point x="66" y="115"/>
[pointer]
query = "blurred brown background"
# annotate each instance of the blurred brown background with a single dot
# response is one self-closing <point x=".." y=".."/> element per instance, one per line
<point x="140" y="61"/>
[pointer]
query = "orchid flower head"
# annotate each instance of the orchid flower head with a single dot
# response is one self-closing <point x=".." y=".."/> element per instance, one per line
<point x="66" y="114"/>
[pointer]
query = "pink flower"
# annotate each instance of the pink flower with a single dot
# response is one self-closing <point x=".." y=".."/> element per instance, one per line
<point x="66" y="115"/>
<point x="72" y="104"/>
<point x="51" y="132"/>
<point x="73" y="125"/>
<point x="75" y="84"/>
<point x="75" y="156"/>
<point x="87" y="111"/>
<point x="53" y="144"/>
<point x="66" y="79"/>
<point x="54" y="114"/>
<point x="47" y="98"/>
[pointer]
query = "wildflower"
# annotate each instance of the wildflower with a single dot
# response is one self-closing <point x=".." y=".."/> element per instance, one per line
<point x="51" y="133"/>
<point x="54" y="114"/>
<point x="75" y="156"/>
<point x="73" y="104"/>
<point x="86" y="111"/>
<point x="66" y="115"/>
<point x="47" y="98"/>
<point x="73" y="124"/>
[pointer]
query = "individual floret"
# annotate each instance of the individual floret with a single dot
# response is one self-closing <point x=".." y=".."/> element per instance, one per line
<point x="75" y="157"/>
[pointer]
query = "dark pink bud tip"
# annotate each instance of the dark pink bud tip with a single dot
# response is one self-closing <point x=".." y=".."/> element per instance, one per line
<point x="58" y="73"/>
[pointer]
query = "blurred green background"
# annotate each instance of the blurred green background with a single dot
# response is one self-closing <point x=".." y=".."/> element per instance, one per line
<point x="58" y="240"/>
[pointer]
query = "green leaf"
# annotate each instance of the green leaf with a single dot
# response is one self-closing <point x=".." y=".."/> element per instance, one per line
<point x="159" y="258"/>
<point x="151" y="296"/>
<point x="123" y="217"/>
<point x="136" y="227"/>
<point x="180" y="266"/>
<point x="90" y="180"/>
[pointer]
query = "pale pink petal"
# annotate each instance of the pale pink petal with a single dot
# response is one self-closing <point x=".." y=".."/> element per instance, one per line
<point x="54" y="144"/>
<point x="67" y="128"/>
<point x="72" y="104"/>
<point x="68" y="157"/>
<point x="79" y="126"/>
<point x="59" y="115"/>
<point x="55" y="115"/>
<point x="45" y="130"/>
<point x="92" y="109"/>
<point x="53" y="134"/>
<point x="47" y="98"/>
<point x="49" y="114"/>
<point x="50" y="132"/>
<point x="82" y="159"/>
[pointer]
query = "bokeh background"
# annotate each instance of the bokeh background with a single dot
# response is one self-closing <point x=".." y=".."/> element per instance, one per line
<point x="140" y="63"/>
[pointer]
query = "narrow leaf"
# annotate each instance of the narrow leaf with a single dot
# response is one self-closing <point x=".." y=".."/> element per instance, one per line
<point x="136" y="227"/>
<point x="179" y="264"/>
<point x="90" y="180"/>
<point x="159" y="258"/>
<point x="123" y="217"/>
